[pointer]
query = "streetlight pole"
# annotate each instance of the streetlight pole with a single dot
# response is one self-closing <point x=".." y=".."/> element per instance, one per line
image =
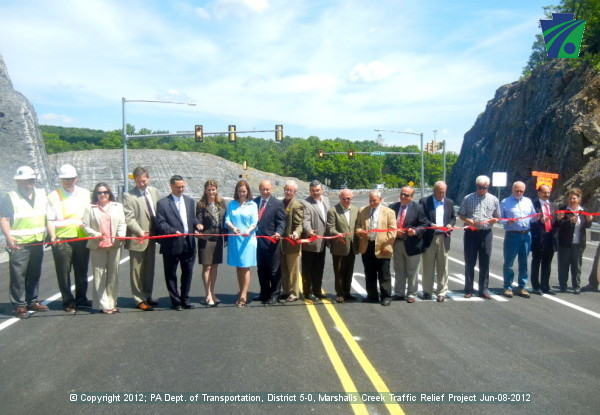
<point x="422" y="156"/>
<point x="125" y="161"/>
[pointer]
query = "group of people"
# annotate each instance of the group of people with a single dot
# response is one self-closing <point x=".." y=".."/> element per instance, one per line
<point x="286" y="240"/>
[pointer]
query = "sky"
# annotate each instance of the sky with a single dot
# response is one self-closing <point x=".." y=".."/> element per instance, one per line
<point x="325" y="68"/>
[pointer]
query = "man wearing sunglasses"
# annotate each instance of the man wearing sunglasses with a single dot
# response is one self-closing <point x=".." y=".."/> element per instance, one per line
<point x="408" y="245"/>
<point x="479" y="210"/>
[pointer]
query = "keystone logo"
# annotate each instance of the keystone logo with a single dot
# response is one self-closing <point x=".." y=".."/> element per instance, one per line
<point x="563" y="35"/>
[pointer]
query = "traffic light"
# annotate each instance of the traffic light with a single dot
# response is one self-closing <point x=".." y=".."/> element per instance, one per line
<point x="245" y="164"/>
<point x="232" y="134"/>
<point x="279" y="133"/>
<point x="440" y="145"/>
<point x="351" y="154"/>
<point x="199" y="134"/>
<point x="321" y="153"/>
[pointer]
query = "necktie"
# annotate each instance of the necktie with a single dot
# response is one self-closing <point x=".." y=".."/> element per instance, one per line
<point x="402" y="217"/>
<point x="548" y="223"/>
<point x="262" y="209"/>
<point x="149" y="205"/>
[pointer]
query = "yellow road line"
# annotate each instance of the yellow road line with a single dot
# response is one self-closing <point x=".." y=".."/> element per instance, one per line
<point x="359" y="408"/>
<point x="380" y="386"/>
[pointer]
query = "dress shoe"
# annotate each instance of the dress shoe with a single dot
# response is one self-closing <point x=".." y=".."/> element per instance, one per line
<point x="370" y="300"/>
<point x="486" y="296"/>
<point x="271" y="301"/>
<point x="188" y="306"/>
<point x="350" y="297"/>
<point x="410" y="300"/>
<point x="151" y="301"/>
<point x="176" y="307"/>
<point x="426" y="296"/>
<point x="563" y="289"/>
<point x="468" y="295"/>
<point x="144" y="306"/>
<point x="259" y="298"/>
<point x="84" y="303"/>
<point x="589" y="288"/>
<point x="21" y="312"/>
<point x="339" y="299"/>
<point x="524" y="293"/>
<point x="37" y="307"/>
<point x="398" y="298"/>
<point x="70" y="309"/>
<point x="549" y="292"/>
<point x="537" y="291"/>
<point x="291" y="298"/>
<point x="321" y="296"/>
<point x="508" y="293"/>
<point x="576" y="291"/>
<point x="441" y="298"/>
<point x="386" y="302"/>
<point x="311" y="297"/>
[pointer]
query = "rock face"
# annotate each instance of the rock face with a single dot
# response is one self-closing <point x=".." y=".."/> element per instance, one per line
<point x="548" y="122"/>
<point x="20" y="137"/>
<point x="96" y="166"/>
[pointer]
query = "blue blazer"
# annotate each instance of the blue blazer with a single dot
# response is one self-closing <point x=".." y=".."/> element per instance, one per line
<point x="168" y="222"/>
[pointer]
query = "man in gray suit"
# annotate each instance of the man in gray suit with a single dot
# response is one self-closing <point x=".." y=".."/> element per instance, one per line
<point x="313" y="254"/>
<point x="341" y="222"/>
<point x="139" y="205"/>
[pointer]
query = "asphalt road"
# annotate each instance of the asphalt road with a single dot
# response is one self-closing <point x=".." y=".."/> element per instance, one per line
<point x="544" y="350"/>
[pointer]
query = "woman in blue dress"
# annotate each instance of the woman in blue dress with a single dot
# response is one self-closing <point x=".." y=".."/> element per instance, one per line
<point x="241" y="219"/>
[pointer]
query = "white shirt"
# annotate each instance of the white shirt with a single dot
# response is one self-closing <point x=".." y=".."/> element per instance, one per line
<point x="180" y="203"/>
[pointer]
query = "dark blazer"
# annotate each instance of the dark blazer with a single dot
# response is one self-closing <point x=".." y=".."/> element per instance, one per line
<point x="449" y="219"/>
<point x="564" y="229"/>
<point x="210" y="226"/>
<point x="415" y="218"/>
<point x="271" y="222"/>
<point x="538" y="229"/>
<point x="168" y="222"/>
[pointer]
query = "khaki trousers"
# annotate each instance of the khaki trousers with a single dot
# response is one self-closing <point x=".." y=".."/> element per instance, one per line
<point x="105" y="264"/>
<point x="435" y="261"/>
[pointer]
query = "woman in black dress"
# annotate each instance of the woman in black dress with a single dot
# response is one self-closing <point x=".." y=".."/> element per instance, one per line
<point x="210" y="212"/>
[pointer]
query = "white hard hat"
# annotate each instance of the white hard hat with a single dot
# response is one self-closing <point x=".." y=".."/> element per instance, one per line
<point x="25" y="173"/>
<point x="67" y="171"/>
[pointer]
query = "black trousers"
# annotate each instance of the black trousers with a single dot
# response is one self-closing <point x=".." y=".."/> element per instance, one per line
<point x="569" y="258"/>
<point x="541" y="259"/>
<point x="72" y="256"/>
<point x="343" y="270"/>
<point x="313" y="264"/>
<point x="477" y="244"/>
<point x="268" y="260"/>
<point x="377" y="270"/>
<point x="170" y="263"/>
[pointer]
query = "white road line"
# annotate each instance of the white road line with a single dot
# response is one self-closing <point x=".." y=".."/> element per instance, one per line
<point x="550" y="297"/>
<point x="47" y="301"/>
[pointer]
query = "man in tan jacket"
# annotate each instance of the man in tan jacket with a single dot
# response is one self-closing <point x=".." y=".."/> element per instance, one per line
<point x="377" y="247"/>
<point x="341" y="223"/>
<point x="290" y="252"/>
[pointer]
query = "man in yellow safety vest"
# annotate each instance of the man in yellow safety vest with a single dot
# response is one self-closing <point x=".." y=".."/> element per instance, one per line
<point x="66" y="206"/>
<point x="23" y="222"/>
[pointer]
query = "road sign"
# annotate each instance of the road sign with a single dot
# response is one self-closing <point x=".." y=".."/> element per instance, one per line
<point x="411" y="183"/>
<point x="378" y="153"/>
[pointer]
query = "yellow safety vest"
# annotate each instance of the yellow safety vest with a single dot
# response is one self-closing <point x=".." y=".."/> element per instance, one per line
<point x="29" y="223"/>
<point x="69" y="209"/>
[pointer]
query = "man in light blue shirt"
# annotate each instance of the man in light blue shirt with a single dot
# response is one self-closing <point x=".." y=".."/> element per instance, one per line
<point x="517" y="238"/>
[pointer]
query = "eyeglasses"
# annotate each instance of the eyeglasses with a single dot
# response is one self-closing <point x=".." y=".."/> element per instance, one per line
<point x="103" y="193"/>
<point x="405" y="195"/>
<point x="346" y="199"/>
<point x="482" y="187"/>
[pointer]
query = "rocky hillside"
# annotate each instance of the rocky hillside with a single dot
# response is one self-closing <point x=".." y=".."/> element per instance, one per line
<point x="106" y="166"/>
<point x="548" y="122"/>
<point x="20" y="138"/>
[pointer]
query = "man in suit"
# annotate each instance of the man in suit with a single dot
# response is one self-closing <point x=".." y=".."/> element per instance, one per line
<point x="139" y="205"/>
<point x="176" y="214"/>
<point x="341" y="223"/>
<point x="290" y="252"/>
<point x="439" y="211"/>
<point x="376" y="248"/>
<point x="410" y="221"/>
<point x="543" y="244"/>
<point x="313" y="254"/>
<point x="271" y="222"/>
